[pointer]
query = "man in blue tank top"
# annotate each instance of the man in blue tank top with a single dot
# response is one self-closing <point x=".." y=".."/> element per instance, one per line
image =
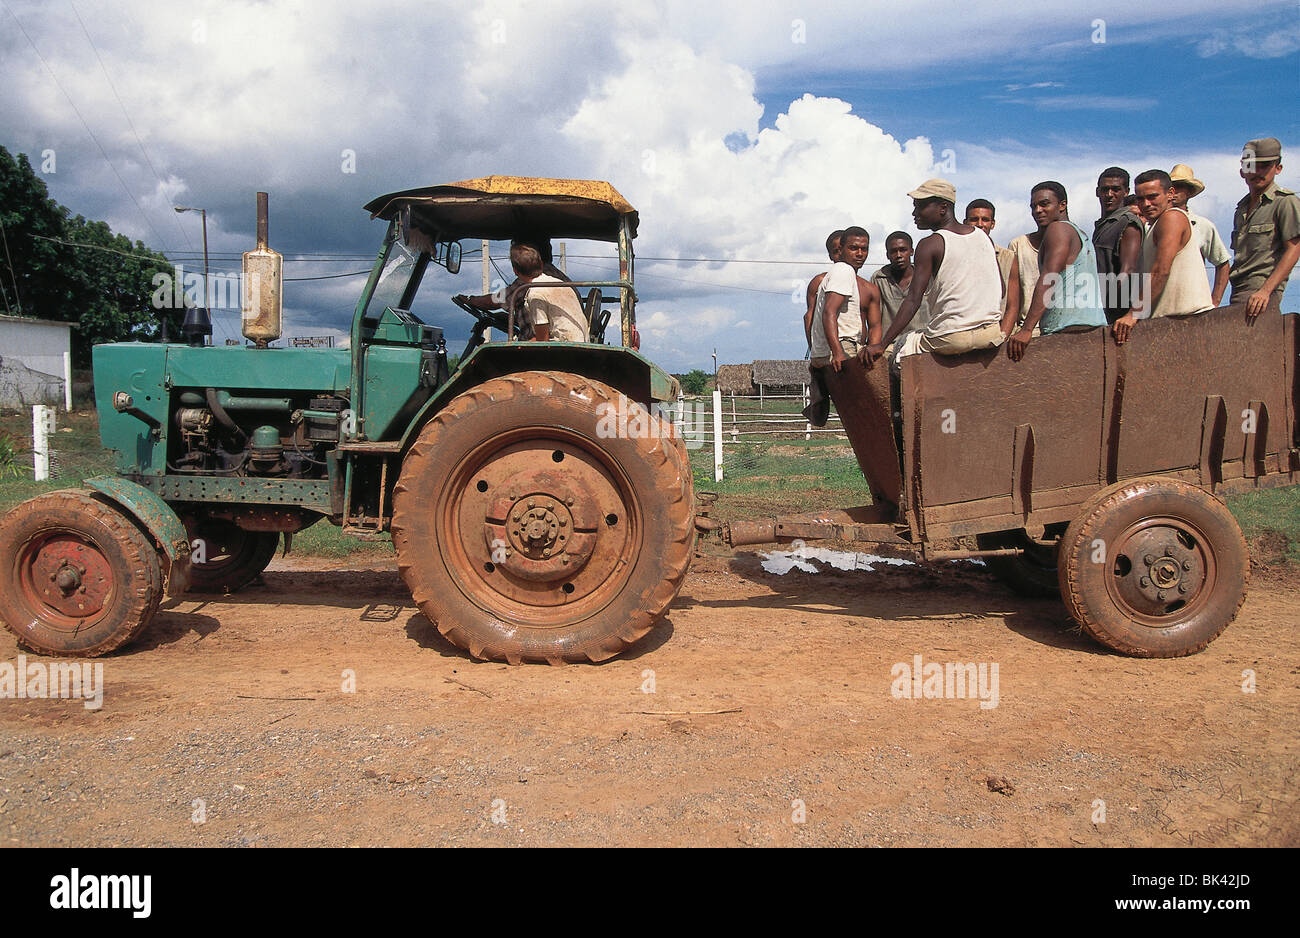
<point x="1067" y="296"/>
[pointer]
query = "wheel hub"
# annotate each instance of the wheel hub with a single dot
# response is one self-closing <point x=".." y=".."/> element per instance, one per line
<point x="67" y="576"/>
<point x="539" y="528"/>
<point x="1160" y="569"/>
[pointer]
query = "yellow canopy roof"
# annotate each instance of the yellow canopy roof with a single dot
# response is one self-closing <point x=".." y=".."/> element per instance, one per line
<point x="501" y="207"/>
<point x="593" y="189"/>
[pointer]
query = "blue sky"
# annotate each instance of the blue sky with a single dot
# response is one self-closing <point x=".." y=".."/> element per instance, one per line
<point x="741" y="132"/>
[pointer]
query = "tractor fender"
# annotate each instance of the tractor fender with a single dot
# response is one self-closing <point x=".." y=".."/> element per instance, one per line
<point x="621" y="368"/>
<point x="155" y="516"/>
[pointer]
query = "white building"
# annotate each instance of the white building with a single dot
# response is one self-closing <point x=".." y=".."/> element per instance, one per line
<point x="35" y="362"/>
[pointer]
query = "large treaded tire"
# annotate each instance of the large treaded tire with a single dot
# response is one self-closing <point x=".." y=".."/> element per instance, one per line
<point x="1125" y="560"/>
<point x="234" y="557"/>
<point x="526" y="446"/>
<point x="73" y="534"/>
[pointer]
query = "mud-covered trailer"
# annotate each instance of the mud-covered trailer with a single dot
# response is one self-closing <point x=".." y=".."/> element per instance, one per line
<point x="1091" y="469"/>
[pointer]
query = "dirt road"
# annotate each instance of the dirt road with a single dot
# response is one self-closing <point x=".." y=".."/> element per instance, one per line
<point x="775" y="720"/>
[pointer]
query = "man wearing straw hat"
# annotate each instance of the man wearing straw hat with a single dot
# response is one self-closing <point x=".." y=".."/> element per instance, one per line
<point x="1186" y="187"/>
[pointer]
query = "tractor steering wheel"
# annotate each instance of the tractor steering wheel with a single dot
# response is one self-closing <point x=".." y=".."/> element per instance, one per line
<point x="494" y="318"/>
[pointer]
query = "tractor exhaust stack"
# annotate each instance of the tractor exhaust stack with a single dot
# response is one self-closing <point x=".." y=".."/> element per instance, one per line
<point x="262" y="280"/>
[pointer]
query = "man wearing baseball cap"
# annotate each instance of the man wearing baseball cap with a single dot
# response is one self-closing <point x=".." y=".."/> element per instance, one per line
<point x="958" y="270"/>
<point x="1265" y="229"/>
<point x="1185" y="187"/>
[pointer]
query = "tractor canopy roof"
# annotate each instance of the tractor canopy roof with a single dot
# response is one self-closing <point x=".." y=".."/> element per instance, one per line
<point x="497" y="208"/>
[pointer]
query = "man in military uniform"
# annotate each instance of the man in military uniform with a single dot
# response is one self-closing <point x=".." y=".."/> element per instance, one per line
<point x="1265" y="229"/>
<point x="1117" y="238"/>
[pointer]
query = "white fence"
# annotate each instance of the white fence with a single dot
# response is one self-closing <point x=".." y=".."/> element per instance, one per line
<point x="735" y="423"/>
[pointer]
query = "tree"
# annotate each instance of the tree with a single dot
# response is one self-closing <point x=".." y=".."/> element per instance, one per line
<point x="74" y="270"/>
<point x="696" y="382"/>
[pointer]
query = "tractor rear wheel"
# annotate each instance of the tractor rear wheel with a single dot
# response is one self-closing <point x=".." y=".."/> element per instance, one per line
<point x="542" y="516"/>
<point x="77" y="577"/>
<point x="1154" y="568"/>
<point x="228" y="557"/>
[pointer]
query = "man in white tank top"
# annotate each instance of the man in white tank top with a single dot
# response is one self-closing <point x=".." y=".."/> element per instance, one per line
<point x="957" y="273"/>
<point x="1173" y="272"/>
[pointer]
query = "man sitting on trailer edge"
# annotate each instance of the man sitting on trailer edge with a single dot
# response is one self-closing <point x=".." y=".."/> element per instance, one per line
<point x="959" y="269"/>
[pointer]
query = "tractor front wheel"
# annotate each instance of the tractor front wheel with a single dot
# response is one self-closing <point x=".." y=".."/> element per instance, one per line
<point x="544" y="517"/>
<point x="77" y="577"/>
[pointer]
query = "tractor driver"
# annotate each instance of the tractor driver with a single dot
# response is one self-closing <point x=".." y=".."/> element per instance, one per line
<point x="510" y="298"/>
<point x="554" y="312"/>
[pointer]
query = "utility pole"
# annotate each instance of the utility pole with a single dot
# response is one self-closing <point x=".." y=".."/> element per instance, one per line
<point x="564" y="258"/>
<point x="487" y="334"/>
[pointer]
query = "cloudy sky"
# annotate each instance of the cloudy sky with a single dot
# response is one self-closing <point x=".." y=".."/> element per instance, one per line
<point x="743" y="134"/>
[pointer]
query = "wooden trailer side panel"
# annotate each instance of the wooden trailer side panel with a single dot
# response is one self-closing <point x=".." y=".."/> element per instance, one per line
<point x="995" y="441"/>
<point x="1177" y="371"/>
<point x="995" y="445"/>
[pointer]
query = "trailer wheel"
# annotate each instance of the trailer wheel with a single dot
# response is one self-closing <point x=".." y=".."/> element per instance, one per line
<point x="1033" y="573"/>
<point x="1154" y="568"/>
<point x="77" y="577"/>
<point x="540" y="517"/>
<point x="231" y="557"/>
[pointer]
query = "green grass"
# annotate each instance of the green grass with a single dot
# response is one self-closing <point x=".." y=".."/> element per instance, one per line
<point x="1270" y="512"/>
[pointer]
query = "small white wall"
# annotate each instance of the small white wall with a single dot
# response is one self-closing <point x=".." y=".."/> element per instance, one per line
<point x="33" y="357"/>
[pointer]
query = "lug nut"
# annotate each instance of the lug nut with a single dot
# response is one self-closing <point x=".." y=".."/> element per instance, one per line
<point x="1182" y="587"/>
<point x="1169" y="551"/>
<point x="1150" y="559"/>
<point x="1187" y="565"/>
<point x="1145" y="581"/>
<point x="532" y="503"/>
<point x="1160" y="595"/>
<point x="564" y="523"/>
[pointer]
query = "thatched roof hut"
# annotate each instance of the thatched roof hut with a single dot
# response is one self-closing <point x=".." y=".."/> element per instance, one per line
<point x="736" y="379"/>
<point x="775" y="373"/>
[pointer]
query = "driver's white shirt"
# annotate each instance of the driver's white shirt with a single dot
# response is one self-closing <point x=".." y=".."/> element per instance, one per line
<point x="558" y="308"/>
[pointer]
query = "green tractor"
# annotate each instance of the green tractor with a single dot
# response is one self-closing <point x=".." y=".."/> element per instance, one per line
<point x="539" y="498"/>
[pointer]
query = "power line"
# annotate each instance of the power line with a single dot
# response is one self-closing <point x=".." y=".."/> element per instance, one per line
<point x="355" y="273"/>
<point x="91" y="133"/>
<point x="162" y="185"/>
<point x="12" y="273"/>
<point x="96" y="247"/>
<point x="703" y="283"/>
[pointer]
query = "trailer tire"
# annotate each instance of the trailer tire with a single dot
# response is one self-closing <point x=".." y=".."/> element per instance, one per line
<point x="1154" y="568"/>
<point x="1031" y="574"/>
<point x="78" y="578"/>
<point x="530" y="527"/>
